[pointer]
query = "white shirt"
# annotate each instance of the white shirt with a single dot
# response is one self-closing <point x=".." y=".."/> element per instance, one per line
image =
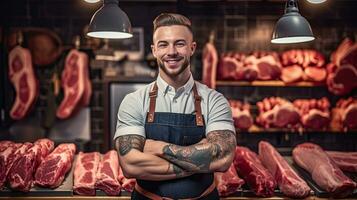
<point x="134" y="107"/>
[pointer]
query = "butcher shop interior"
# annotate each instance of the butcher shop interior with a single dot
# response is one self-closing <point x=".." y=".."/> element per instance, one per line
<point x="288" y="69"/>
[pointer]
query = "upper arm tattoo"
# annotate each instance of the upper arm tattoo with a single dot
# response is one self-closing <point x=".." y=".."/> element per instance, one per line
<point x="198" y="157"/>
<point x="127" y="142"/>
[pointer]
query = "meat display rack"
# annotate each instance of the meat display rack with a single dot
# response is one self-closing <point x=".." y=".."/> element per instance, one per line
<point x="274" y="83"/>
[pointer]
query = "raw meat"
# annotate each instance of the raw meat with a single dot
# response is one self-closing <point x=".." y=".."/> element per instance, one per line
<point x="241" y="114"/>
<point x="209" y="61"/>
<point x="228" y="182"/>
<point x="126" y="183"/>
<point x="346" y="161"/>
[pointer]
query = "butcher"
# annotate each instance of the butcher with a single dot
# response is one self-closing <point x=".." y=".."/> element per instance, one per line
<point x="174" y="133"/>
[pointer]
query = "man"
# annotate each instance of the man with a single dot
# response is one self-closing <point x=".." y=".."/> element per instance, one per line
<point x="174" y="133"/>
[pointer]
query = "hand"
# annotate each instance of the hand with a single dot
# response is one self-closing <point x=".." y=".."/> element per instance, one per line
<point x="154" y="147"/>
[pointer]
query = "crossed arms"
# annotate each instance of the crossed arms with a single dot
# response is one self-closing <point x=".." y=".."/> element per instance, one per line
<point x="157" y="160"/>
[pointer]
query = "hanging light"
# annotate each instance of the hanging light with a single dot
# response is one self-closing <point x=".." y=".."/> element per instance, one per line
<point x="91" y="1"/>
<point x="316" y="1"/>
<point x="292" y="27"/>
<point x="110" y="22"/>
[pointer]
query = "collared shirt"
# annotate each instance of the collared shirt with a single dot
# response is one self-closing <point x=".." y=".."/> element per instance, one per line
<point x="134" y="107"/>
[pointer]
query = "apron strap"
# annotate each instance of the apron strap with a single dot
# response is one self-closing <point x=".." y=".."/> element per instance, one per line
<point x="197" y="99"/>
<point x="152" y="95"/>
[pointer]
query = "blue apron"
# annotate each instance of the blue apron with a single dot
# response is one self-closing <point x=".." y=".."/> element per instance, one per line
<point x="183" y="130"/>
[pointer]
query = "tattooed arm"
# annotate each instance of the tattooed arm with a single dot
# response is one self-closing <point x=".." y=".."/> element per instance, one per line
<point x="214" y="154"/>
<point x="136" y="164"/>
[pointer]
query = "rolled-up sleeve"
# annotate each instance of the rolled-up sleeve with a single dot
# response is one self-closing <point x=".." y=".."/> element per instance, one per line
<point x="219" y="114"/>
<point x="130" y="117"/>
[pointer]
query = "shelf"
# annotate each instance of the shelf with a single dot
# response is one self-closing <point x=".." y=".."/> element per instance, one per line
<point x="259" y="130"/>
<point x="268" y="83"/>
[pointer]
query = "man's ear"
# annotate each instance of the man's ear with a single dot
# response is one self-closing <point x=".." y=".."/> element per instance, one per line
<point x="193" y="47"/>
<point x="153" y="51"/>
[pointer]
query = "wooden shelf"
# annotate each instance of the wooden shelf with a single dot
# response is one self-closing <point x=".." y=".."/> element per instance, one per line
<point x="268" y="83"/>
<point x="259" y="130"/>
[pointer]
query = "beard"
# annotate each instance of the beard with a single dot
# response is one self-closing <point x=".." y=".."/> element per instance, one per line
<point x="174" y="73"/>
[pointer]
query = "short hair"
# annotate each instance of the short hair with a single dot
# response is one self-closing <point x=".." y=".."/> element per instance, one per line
<point x="169" y="19"/>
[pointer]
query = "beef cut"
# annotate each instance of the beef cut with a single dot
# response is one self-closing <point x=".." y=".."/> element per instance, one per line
<point x="75" y="84"/>
<point x="292" y="73"/>
<point x="52" y="170"/>
<point x="22" y="171"/>
<point x="253" y="172"/>
<point x="288" y="180"/>
<point x="209" y="61"/>
<point x="315" y="113"/>
<point x="23" y="78"/>
<point x="228" y="182"/>
<point x="242" y="117"/>
<point x="324" y="171"/>
<point x="127" y="184"/>
<point x="266" y="64"/>
<point x="107" y="174"/>
<point x="4" y="144"/>
<point x="85" y="171"/>
<point x="19" y="152"/>
<point x="345" y="114"/>
<point x="277" y="112"/>
<point x="346" y="161"/>
<point x="5" y="161"/>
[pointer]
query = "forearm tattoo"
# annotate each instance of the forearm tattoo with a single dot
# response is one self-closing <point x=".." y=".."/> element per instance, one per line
<point x="198" y="157"/>
<point x="179" y="172"/>
<point x="129" y="142"/>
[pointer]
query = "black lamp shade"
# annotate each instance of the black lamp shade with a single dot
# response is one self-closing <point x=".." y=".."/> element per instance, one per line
<point x="110" y="22"/>
<point x="292" y="28"/>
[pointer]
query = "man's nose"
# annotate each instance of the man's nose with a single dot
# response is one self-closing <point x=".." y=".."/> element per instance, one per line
<point x="172" y="50"/>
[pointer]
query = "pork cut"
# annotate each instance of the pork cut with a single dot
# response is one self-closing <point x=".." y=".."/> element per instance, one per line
<point x="209" y="61"/>
<point x="74" y="83"/>
<point x="345" y="114"/>
<point x="85" y="171"/>
<point x="22" y="171"/>
<point x="22" y="76"/>
<point x="52" y="170"/>
<point x="292" y="73"/>
<point x="228" y="182"/>
<point x="267" y="66"/>
<point x="253" y="172"/>
<point x="5" y="161"/>
<point x="277" y="112"/>
<point x="315" y="113"/>
<point x="107" y="174"/>
<point x="324" y="171"/>
<point x="288" y="180"/>
<point x="346" y="161"/>
<point x="241" y="114"/>
<point x="127" y="184"/>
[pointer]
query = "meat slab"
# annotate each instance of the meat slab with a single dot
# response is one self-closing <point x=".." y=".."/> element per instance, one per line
<point x="228" y="182"/>
<point x="346" y="161"/>
<point x="241" y="114"/>
<point x="85" y="171"/>
<point x="253" y="172"/>
<point x="288" y="180"/>
<point x="209" y="61"/>
<point x="324" y="171"/>
<point x="127" y="184"/>
<point x="52" y="170"/>
<point x="107" y="174"/>
<point x="23" y="78"/>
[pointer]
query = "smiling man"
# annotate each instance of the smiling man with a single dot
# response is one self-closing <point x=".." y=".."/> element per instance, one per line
<point x="173" y="134"/>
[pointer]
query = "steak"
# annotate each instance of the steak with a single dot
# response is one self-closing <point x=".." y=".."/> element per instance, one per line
<point x="107" y="174"/>
<point x="324" y="171"/>
<point x="127" y="184"/>
<point x="267" y="66"/>
<point x="345" y="114"/>
<point x="292" y="73"/>
<point x="23" y="78"/>
<point x="52" y="170"/>
<point x="228" y="182"/>
<point x="22" y="171"/>
<point x="5" y="161"/>
<point x="287" y="179"/>
<point x="346" y="161"/>
<point x="209" y="61"/>
<point x="241" y="114"/>
<point x="74" y="82"/>
<point x="85" y="171"/>
<point x="253" y="172"/>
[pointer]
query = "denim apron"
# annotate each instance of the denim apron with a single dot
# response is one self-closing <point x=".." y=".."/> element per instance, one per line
<point x="183" y="130"/>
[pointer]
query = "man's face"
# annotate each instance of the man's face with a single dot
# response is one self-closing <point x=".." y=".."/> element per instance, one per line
<point x="172" y="48"/>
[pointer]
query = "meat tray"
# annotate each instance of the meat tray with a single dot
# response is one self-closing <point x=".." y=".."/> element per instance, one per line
<point x="317" y="190"/>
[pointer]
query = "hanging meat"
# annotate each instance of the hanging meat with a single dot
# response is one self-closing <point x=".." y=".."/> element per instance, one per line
<point x="342" y="69"/>
<point x="75" y="83"/>
<point x="253" y="172"/>
<point x="288" y="180"/>
<point x="209" y="62"/>
<point x="22" y="76"/>
<point x="315" y="113"/>
<point x="323" y="170"/>
<point x="242" y="117"/>
<point x="345" y="114"/>
<point x="277" y="112"/>
<point x="228" y="182"/>
<point x="51" y="172"/>
<point x="22" y="172"/>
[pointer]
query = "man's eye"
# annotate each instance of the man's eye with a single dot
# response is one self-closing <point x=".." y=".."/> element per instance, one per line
<point x="162" y="45"/>
<point x="180" y="44"/>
